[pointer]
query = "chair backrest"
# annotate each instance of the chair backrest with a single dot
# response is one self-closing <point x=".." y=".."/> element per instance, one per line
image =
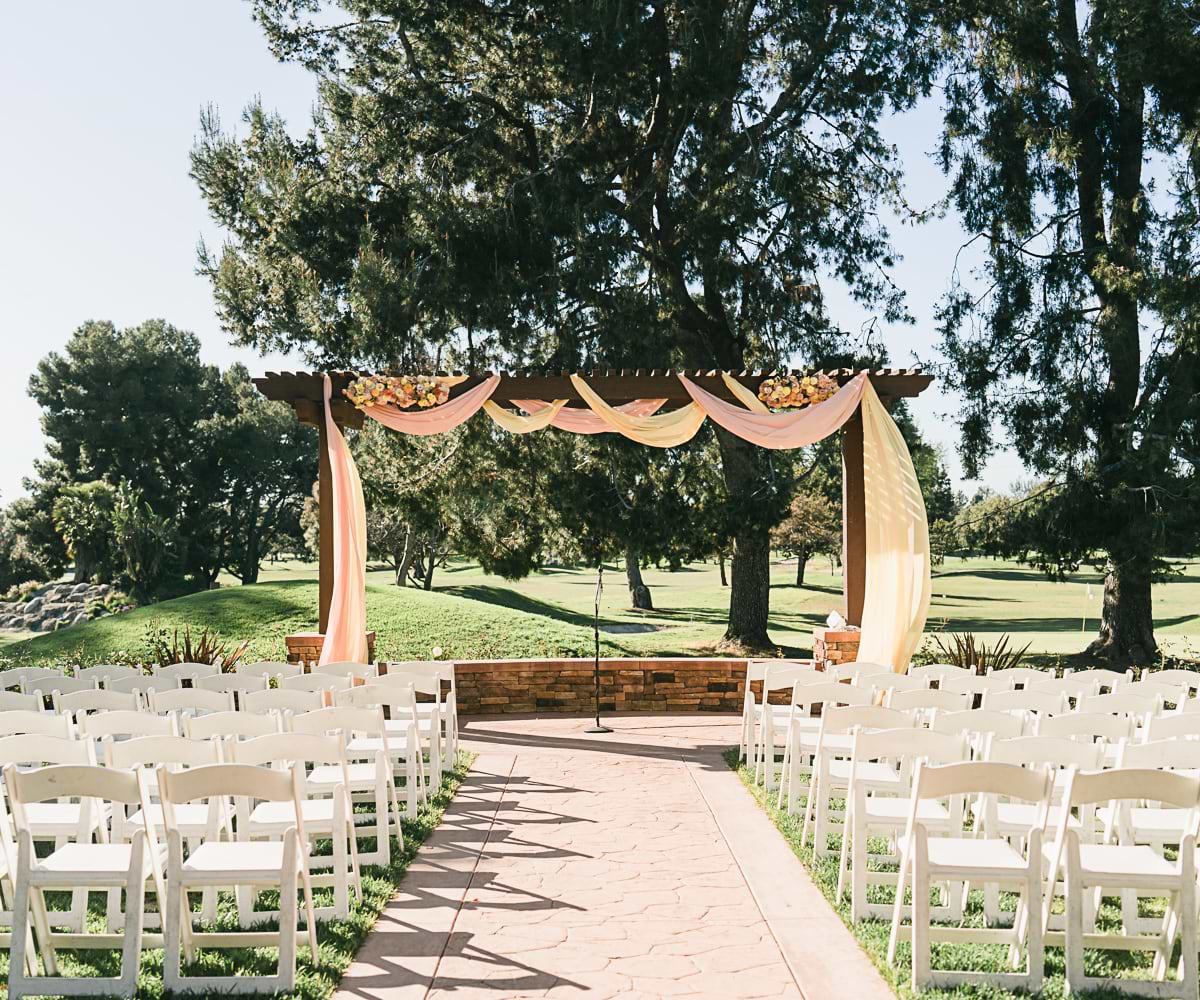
<point x="280" y="700"/>
<point x="1172" y="675"/>
<point x="1170" y="754"/>
<point x="229" y="723"/>
<point x="137" y="683"/>
<point x="900" y="682"/>
<point x="841" y="719"/>
<point x="269" y="668"/>
<point x="70" y="781"/>
<point x="37" y="748"/>
<point x="1177" y="725"/>
<point x="1121" y="702"/>
<point x="102" y="672"/>
<point x="935" y="672"/>
<point x="952" y="701"/>
<point x="160" y="751"/>
<point x="1171" y="694"/>
<point x="34" y="722"/>
<point x="1134" y="783"/>
<point x="911" y="743"/>
<point x="15" y="700"/>
<point x="20" y="677"/>
<point x="289" y="748"/>
<point x="46" y="686"/>
<point x="191" y="700"/>
<point x="422" y="681"/>
<point x="756" y="670"/>
<point x="211" y="781"/>
<point x="1027" y="700"/>
<point x="854" y="669"/>
<point x="341" y="718"/>
<point x="180" y="672"/>
<point x="1021" y="677"/>
<point x="368" y="695"/>
<point x="445" y="668"/>
<point x="126" y="723"/>
<point x="1106" y="680"/>
<point x="316" y="682"/>
<point x="1069" y="685"/>
<point x="1086" y="725"/>
<point x="939" y="781"/>
<point x="783" y="675"/>
<point x="79" y="703"/>
<point x="346" y="668"/>
<point x="832" y="693"/>
<point x="1040" y="751"/>
<point x="236" y="683"/>
<point x="972" y="683"/>
<point x="978" y="721"/>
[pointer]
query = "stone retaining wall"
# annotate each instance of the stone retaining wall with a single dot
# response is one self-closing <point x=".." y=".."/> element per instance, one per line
<point x="626" y="685"/>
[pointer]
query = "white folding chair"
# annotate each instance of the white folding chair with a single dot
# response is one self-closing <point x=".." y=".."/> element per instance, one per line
<point x="980" y="726"/>
<point x="269" y="668"/>
<point x="929" y="699"/>
<point x="1089" y="727"/>
<point x="407" y="731"/>
<point x="80" y="703"/>
<point x="1176" y="726"/>
<point x="831" y="767"/>
<point x="190" y="701"/>
<point x="23" y="678"/>
<point x="176" y="673"/>
<point x="1138" y="707"/>
<point x="433" y="728"/>
<point x="328" y="815"/>
<point x="369" y="773"/>
<point x="195" y="823"/>
<point x="899" y="682"/>
<point x="1171" y="694"/>
<point x="1189" y="679"/>
<point x="77" y="866"/>
<point x="1070" y="686"/>
<point x="875" y="810"/>
<point x="977" y="685"/>
<point x="103" y="673"/>
<point x="1106" y="680"/>
<point x="47" y="687"/>
<point x="773" y="720"/>
<point x="229" y="725"/>
<point x="926" y="861"/>
<point x="137" y="683"/>
<point x="237" y="685"/>
<point x="316" y="682"/>
<point x="19" y="721"/>
<point x="1129" y="866"/>
<point x="1022" y="677"/>
<point x="1032" y="701"/>
<point x="800" y="734"/>
<point x="425" y="673"/>
<point x="277" y="864"/>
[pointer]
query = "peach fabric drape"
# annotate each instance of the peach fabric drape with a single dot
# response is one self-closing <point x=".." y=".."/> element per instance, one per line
<point x="898" y="565"/>
<point x="346" y="633"/>
<point x="437" y="419"/>
<point x="663" y="430"/>
<point x="585" y="421"/>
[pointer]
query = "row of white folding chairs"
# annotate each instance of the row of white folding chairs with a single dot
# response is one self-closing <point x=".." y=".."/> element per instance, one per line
<point x="278" y="856"/>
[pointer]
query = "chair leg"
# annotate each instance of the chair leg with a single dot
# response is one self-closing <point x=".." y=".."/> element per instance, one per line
<point x="288" y="925"/>
<point x="1074" y="943"/>
<point x="1035" y="942"/>
<point x="135" y="915"/>
<point x="921" y="975"/>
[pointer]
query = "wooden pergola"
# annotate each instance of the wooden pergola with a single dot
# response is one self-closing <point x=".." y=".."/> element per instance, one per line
<point x="304" y="392"/>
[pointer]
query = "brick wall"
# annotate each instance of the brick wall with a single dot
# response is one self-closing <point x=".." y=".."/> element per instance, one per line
<point x="626" y="685"/>
<point x="835" y="645"/>
<point x="305" y="647"/>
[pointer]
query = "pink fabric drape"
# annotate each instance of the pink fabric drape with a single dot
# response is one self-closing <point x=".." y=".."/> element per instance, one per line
<point x="781" y="430"/>
<point x="346" y="633"/>
<point x="587" y="422"/>
<point x="437" y="419"/>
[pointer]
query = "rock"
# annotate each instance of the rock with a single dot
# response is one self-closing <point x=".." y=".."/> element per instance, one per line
<point x="33" y="626"/>
<point x="31" y="606"/>
<point x="81" y="588"/>
<point x="103" y="588"/>
<point x="81" y="617"/>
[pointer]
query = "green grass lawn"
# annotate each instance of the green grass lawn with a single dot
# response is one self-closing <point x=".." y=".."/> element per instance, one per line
<point x="473" y="615"/>
<point x="872" y="935"/>
<point x="337" y="941"/>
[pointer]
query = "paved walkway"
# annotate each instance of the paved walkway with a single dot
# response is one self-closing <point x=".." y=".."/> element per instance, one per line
<point x="630" y="864"/>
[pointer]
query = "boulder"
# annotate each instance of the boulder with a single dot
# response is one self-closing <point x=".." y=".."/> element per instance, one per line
<point x="81" y="617"/>
<point x="29" y="607"/>
<point x="81" y="588"/>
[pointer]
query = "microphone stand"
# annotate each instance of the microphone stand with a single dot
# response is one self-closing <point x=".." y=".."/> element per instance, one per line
<point x="597" y="728"/>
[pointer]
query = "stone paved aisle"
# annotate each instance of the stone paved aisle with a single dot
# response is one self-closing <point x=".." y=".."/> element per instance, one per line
<point x="632" y="864"/>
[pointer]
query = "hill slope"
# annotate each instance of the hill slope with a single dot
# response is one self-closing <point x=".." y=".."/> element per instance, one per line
<point x="408" y="623"/>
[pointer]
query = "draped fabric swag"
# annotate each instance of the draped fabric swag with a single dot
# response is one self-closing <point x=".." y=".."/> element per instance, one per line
<point x="897" y="531"/>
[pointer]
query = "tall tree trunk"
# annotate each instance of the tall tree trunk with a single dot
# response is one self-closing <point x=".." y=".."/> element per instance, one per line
<point x="721" y="567"/>
<point x="801" y="563"/>
<point x="639" y="593"/>
<point x="428" y="582"/>
<point x="1127" y="619"/>
<point x="410" y="550"/>
<point x="744" y="469"/>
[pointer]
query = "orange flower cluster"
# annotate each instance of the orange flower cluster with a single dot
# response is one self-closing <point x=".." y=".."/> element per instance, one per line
<point x="399" y="390"/>
<point x="791" y="391"/>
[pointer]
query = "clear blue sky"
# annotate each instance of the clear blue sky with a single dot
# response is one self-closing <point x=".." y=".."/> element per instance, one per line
<point x="99" y="219"/>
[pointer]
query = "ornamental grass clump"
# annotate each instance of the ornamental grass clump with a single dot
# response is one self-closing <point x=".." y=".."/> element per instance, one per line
<point x="966" y="651"/>
<point x="208" y="647"/>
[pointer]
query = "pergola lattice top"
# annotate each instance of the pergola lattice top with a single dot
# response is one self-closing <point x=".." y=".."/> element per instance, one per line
<point x="305" y="390"/>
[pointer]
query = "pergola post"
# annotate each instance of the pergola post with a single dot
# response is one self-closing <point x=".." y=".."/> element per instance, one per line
<point x="325" y="530"/>
<point x="854" y="520"/>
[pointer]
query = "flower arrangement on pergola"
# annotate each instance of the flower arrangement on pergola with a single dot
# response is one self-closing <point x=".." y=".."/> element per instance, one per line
<point x="885" y="531"/>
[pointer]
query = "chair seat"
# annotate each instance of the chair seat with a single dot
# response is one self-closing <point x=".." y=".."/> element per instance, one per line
<point x="50" y="819"/>
<point x="887" y="808"/>
<point x="362" y="745"/>
<point x="216" y="859"/>
<point x="1152" y="822"/>
<point x="868" y="772"/>
<point x="317" y="814"/>
<point x="976" y="858"/>
<point x="328" y="776"/>
<point x="191" y="818"/>
<point x="1132" y="866"/>
<point x="83" y="859"/>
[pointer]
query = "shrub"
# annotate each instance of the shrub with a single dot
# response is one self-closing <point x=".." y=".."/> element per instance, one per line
<point x="964" y="650"/>
<point x="208" y="647"/>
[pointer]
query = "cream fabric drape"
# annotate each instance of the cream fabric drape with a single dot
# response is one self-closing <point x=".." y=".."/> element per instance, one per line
<point x="663" y="430"/>
<point x="514" y="423"/>
<point x="898" y="565"/>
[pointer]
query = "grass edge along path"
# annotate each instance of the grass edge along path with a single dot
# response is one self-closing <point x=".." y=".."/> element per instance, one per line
<point x="338" y="941"/>
<point x="872" y="935"/>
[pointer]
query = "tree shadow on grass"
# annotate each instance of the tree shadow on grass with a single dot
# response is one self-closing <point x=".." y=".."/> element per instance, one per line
<point x="489" y="594"/>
